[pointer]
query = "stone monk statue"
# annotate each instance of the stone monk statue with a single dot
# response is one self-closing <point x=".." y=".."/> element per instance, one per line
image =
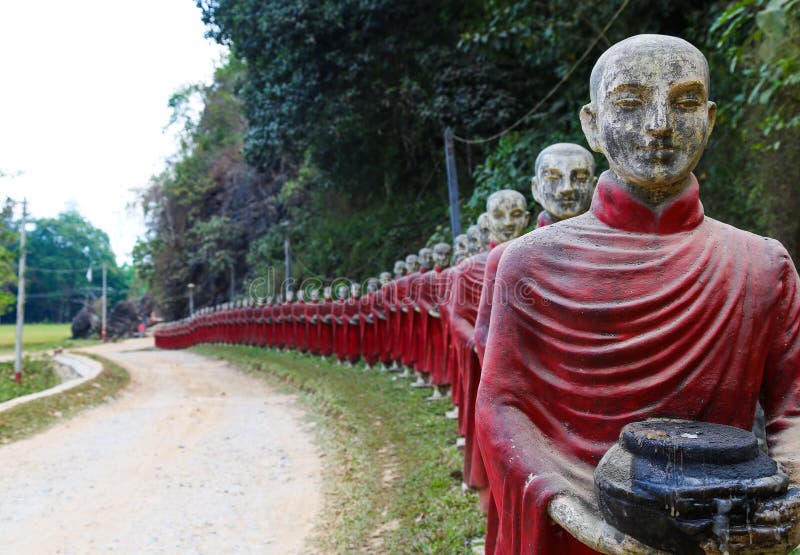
<point x="564" y="182"/>
<point x="641" y="307"/>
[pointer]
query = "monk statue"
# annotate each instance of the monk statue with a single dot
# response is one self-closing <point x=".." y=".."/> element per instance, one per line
<point x="393" y="295"/>
<point x="642" y="307"/>
<point x="422" y="293"/>
<point x="508" y="215"/>
<point x="406" y="296"/>
<point x="460" y="248"/>
<point x="384" y="278"/>
<point x="563" y="186"/>
<point x="474" y="243"/>
<point x="564" y="182"/>
<point x="484" y="223"/>
<point x="435" y="295"/>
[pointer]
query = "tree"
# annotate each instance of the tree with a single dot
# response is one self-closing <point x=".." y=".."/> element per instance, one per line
<point x="60" y="251"/>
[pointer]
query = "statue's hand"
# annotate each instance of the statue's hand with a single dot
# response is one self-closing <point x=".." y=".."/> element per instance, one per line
<point x="416" y="308"/>
<point x="327" y="319"/>
<point x="773" y="527"/>
<point x="587" y="525"/>
<point x="434" y="313"/>
<point x="369" y="319"/>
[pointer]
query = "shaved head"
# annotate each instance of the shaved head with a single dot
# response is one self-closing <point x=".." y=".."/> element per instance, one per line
<point x="643" y="46"/>
<point x="565" y="149"/>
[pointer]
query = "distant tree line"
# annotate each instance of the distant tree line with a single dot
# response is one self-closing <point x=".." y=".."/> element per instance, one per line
<point x="325" y="127"/>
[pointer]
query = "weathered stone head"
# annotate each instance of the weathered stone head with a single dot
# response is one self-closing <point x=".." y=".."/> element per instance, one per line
<point x="425" y="258"/>
<point x="508" y="215"/>
<point x="301" y="296"/>
<point x="461" y="246"/>
<point x="341" y="292"/>
<point x="474" y="245"/>
<point x="650" y="114"/>
<point x="441" y="254"/>
<point x="384" y="278"/>
<point x="289" y="296"/>
<point x="355" y="290"/>
<point x="373" y="284"/>
<point x="484" y="223"/>
<point x="327" y="293"/>
<point x="564" y="181"/>
<point x="315" y="295"/>
<point x="412" y="263"/>
<point x="399" y="269"/>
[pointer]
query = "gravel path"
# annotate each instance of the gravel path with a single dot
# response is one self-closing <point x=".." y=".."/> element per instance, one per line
<point x="194" y="457"/>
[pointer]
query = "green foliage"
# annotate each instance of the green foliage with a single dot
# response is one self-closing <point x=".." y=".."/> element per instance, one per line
<point x="59" y="252"/>
<point x="8" y="238"/>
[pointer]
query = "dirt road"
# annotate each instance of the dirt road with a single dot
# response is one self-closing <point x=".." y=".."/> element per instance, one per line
<point x="194" y="457"/>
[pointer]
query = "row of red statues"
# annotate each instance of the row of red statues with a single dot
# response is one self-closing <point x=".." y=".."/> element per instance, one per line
<point x="631" y="305"/>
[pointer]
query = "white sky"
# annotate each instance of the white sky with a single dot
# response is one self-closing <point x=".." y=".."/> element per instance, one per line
<point x="84" y="86"/>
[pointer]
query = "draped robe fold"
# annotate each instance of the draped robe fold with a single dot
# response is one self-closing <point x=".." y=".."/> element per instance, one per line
<point x="325" y="327"/>
<point x="618" y="315"/>
<point x="466" y="294"/>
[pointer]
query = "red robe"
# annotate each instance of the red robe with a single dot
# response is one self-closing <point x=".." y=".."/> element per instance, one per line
<point x="299" y="326"/>
<point x="411" y="321"/>
<point x="432" y="351"/>
<point x="325" y="327"/>
<point x="382" y="315"/>
<point x="352" y="330"/>
<point x="622" y="314"/>
<point x="312" y="326"/>
<point x="338" y="327"/>
<point x="466" y="295"/>
<point x="370" y="348"/>
<point x="487" y="293"/>
<point x="399" y="312"/>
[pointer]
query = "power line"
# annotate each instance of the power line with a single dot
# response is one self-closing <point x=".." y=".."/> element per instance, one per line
<point x="563" y="80"/>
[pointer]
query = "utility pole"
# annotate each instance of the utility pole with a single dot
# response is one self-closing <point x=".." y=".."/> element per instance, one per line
<point x="20" y="295"/>
<point x="452" y="182"/>
<point x="287" y="252"/>
<point x="191" y="299"/>
<point x="104" y="303"/>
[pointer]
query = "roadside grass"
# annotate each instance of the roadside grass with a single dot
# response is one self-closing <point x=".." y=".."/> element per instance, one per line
<point x="30" y="418"/>
<point x="37" y="374"/>
<point x="392" y="472"/>
<point x="40" y="337"/>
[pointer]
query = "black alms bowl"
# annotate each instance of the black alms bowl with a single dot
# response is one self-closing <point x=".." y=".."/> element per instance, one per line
<point x="675" y="483"/>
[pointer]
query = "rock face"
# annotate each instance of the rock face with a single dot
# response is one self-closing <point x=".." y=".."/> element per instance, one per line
<point x="123" y="320"/>
<point x="85" y="323"/>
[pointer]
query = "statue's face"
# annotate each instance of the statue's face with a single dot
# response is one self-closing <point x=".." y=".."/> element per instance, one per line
<point x="412" y="263"/>
<point x="289" y="296"/>
<point x="461" y="246"/>
<point x="315" y="295"/>
<point x="355" y="289"/>
<point x="508" y="215"/>
<point x="301" y="295"/>
<point x="326" y="293"/>
<point x="372" y="285"/>
<point x="473" y="239"/>
<point x="441" y="255"/>
<point x="426" y="258"/>
<point x="399" y="269"/>
<point x="341" y="291"/>
<point x="651" y="117"/>
<point x="384" y="278"/>
<point x="564" y="184"/>
<point x="485" y="226"/>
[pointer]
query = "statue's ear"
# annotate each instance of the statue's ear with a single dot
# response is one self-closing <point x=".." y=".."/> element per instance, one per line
<point x="589" y="125"/>
<point x="594" y="183"/>
<point x="528" y="217"/>
<point x="712" y="118"/>
<point x="535" y="190"/>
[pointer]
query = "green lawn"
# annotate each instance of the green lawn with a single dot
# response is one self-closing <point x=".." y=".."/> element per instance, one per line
<point x="39" y="337"/>
<point x="37" y="375"/>
<point x="392" y="473"/>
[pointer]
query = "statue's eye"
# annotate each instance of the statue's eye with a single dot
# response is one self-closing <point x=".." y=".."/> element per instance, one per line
<point x="688" y="102"/>
<point x="628" y="102"/>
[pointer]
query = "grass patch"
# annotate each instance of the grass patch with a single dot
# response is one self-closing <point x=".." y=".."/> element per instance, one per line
<point x="38" y="374"/>
<point x="40" y="337"/>
<point x="392" y="472"/>
<point x="30" y="418"/>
